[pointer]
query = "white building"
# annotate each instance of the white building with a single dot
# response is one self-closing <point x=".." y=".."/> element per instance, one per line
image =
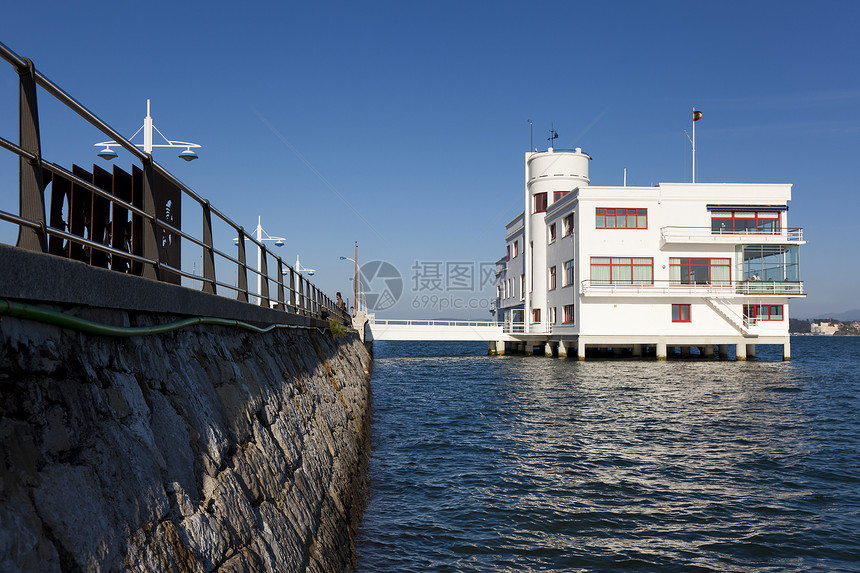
<point x="646" y="269"/>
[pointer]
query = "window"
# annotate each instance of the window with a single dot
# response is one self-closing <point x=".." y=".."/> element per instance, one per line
<point x="568" y="272"/>
<point x="567" y="222"/>
<point x="756" y="312"/>
<point x="558" y="195"/>
<point x="622" y="270"/>
<point x="552" y="233"/>
<point x="535" y="316"/>
<point x="614" y="218"/>
<point x="745" y="222"/>
<point x="688" y="271"/>
<point x="552" y="278"/>
<point x="522" y="287"/>
<point x="540" y="202"/>
<point x="553" y="316"/>
<point x="568" y="313"/>
<point x="516" y="249"/>
<point x="509" y="253"/>
<point x="680" y="313"/>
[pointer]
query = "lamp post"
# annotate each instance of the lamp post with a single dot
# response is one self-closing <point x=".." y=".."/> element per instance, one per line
<point x="355" y="277"/>
<point x="300" y="269"/>
<point x="148" y="127"/>
<point x="259" y="232"/>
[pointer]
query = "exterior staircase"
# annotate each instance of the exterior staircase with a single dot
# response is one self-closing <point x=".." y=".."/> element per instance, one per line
<point x="723" y="308"/>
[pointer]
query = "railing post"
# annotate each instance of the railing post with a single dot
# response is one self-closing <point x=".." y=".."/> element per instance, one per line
<point x="208" y="251"/>
<point x="150" y="243"/>
<point x="31" y="196"/>
<point x="293" y="306"/>
<point x="281" y="284"/>
<point x="243" y="268"/>
<point x="302" y="308"/>
<point x="264" y="279"/>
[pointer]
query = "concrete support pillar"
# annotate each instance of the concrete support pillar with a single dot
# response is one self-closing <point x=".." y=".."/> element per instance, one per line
<point x="637" y="350"/>
<point x="562" y="349"/>
<point x="661" y="351"/>
<point x="709" y="350"/>
<point x="740" y="351"/>
<point x="786" y="349"/>
<point x="580" y="350"/>
<point x="750" y="350"/>
<point x="548" y="349"/>
<point x="529" y="349"/>
<point x="491" y="348"/>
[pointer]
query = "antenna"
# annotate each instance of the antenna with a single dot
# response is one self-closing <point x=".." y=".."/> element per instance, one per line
<point x="531" y="135"/>
<point x="553" y="135"/>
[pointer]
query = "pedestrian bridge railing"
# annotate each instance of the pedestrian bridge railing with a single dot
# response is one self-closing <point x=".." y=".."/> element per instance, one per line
<point x="460" y="330"/>
<point x="130" y="223"/>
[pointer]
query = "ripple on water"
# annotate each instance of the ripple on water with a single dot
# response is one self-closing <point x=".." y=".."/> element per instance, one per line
<point x="522" y="464"/>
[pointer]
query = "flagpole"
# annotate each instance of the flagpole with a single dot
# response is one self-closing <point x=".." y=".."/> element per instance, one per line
<point x="694" y="144"/>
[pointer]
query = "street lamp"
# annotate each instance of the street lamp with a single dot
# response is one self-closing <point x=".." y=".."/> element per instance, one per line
<point x="259" y="232"/>
<point x="300" y="269"/>
<point x="355" y="275"/>
<point x="188" y="155"/>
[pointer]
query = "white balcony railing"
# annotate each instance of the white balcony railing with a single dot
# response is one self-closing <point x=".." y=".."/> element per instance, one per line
<point x="707" y="235"/>
<point x="670" y="288"/>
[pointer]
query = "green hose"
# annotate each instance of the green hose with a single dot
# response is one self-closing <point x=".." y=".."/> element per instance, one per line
<point x="31" y="312"/>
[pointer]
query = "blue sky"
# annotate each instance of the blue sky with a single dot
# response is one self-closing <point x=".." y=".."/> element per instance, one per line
<point x="403" y="126"/>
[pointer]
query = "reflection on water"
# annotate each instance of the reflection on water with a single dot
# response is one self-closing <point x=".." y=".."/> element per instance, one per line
<point x="527" y="463"/>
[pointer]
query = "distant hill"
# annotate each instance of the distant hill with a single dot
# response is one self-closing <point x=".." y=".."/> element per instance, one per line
<point x="846" y="316"/>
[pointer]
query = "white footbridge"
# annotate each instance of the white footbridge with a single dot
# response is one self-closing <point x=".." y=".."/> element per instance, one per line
<point x="465" y="330"/>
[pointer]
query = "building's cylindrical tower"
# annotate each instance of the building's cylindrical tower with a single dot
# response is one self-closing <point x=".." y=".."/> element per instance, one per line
<point x="549" y="176"/>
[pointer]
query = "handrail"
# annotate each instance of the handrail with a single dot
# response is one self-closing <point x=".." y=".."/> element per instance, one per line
<point x="788" y="234"/>
<point x="671" y="287"/>
<point x="292" y="291"/>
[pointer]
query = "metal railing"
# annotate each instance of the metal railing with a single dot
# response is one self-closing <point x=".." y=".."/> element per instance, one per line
<point x="142" y="254"/>
<point x="673" y="288"/>
<point x="420" y="322"/>
<point x="707" y="234"/>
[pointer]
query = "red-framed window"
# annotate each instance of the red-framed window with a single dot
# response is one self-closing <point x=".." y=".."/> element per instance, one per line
<point x="680" y="313"/>
<point x="567" y="223"/>
<point x="759" y="312"/>
<point x="535" y="316"/>
<point x="568" y="272"/>
<point x="540" y="202"/>
<point x="552" y="278"/>
<point x="622" y="270"/>
<point x="552" y="233"/>
<point x="621" y="218"/>
<point x="745" y="222"/>
<point x="509" y="252"/>
<point x="568" y="313"/>
<point x="694" y="271"/>
<point x="558" y="195"/>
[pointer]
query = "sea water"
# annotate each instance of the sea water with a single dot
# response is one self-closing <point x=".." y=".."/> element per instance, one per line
<point x="515" y="463"/>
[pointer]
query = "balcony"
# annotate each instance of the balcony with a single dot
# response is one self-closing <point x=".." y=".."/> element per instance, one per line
<point x="673" y="289"/>
<point x="706" y="235"/>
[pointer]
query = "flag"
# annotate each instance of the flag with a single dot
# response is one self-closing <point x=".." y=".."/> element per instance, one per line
<point x="697" y="115"/>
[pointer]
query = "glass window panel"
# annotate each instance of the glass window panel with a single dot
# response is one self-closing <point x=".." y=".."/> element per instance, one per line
<point x="642" y="274"/>
<point x="720" y="275"/>
<point x="641" y="222"/>
<point x="622" y="274"/>
<point x="776" y="313"/>
<point x="641" y="261"/>
<point x="601" y="222"/>
<point x="675" y="275"/>
<point x="600" y="260"/>
<point x="601" y="211"/>
<point x="631" y="221"/>
<point x="600" y="274"/>
<point x="744" y="214"/>
<point x="641" y="211"/>
<point x="676" y="312"/>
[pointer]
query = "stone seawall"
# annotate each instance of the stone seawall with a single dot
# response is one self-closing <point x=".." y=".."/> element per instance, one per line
<point x="205" y="449"/>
